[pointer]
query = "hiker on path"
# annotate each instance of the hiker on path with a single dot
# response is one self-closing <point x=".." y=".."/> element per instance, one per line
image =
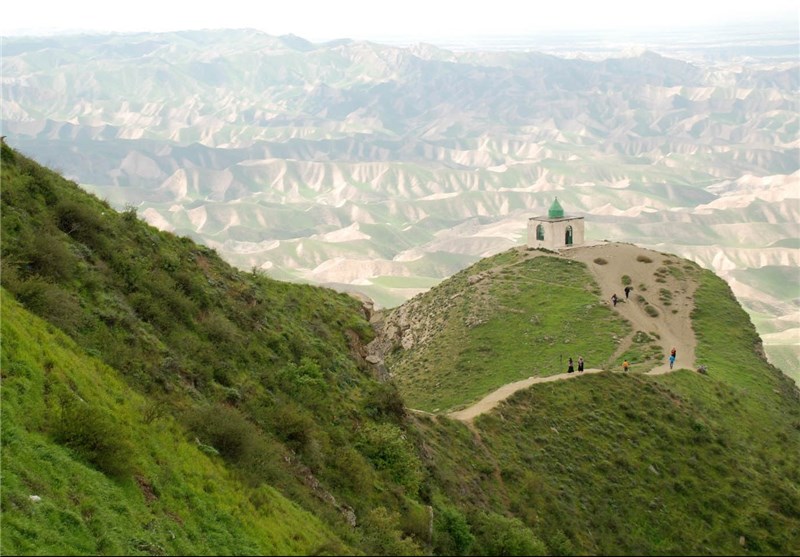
<point x="580" y="364"/>
<point x="570" y="366"/>
<point x="614" y="299"/>
<point x="628" y="291"/>
<point x="625" y="365"/>
<point x="672" y="356"/>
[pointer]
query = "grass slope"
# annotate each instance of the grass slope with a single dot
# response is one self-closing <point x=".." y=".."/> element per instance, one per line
<point x="267" y="374"/>
<point x="113" y="475"/>
<point x="681" y="463"/>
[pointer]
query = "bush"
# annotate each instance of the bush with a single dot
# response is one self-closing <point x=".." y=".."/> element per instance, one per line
<point x="499" y="535"/>
<point x="600" y="261"/>
<point x="50" y="257"/>
<point x="626" y="280"/>
<point x="225" y="429"/>
<point x="81" y="222"/>
<point x="52" y="303"/>
<point x="643" y="259"/>
<point x="382" y="535"/>
<point x="386" y="447"/>
<point x="384" y="401"/>
<point x="292" y="424"/>
<point x="96" y="437"/>
<point x="452" y="534"/>
<point x="237" y="440"/>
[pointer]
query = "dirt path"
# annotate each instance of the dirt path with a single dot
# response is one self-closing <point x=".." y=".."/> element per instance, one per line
<point x="493" y="399"/>
<point x="672" y="325"/>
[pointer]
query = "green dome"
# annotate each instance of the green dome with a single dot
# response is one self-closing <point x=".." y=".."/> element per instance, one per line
<point x="556" y="211"/>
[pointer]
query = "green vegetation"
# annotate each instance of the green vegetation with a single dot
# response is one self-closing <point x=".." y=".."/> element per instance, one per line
<point x="505" y="318"/>
<point x="260" y="375"/>
<point x="681" y="463"/>
<point x="88" y="469"/>
<point x="157" y="401"/>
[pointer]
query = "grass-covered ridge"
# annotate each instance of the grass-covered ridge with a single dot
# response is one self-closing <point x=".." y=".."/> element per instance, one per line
<point x="681" y="463"/>
<point x="515" y="315"/>
<point x="267" y="376"/>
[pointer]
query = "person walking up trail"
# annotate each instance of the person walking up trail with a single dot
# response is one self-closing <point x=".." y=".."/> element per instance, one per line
<point x="628" y="291"/>
<point x="580" y="364"/>
<point x="672" y="356"/>
<point x="570" y="366"/>
<point x="614" y="299"/>
<point x="625" y="365"/>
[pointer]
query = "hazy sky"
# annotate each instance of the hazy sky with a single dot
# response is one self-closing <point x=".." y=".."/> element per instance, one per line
<point x="370" y="19"/>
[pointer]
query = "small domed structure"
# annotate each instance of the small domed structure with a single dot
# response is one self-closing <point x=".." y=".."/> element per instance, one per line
<point x="556" y="230"/>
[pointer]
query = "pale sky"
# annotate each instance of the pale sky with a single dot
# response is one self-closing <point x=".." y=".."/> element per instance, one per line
<point x="372" y="19"/>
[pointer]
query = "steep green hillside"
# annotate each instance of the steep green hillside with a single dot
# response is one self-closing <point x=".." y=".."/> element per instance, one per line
<point x="91" y="467"/>
<point x="266" y="375"/>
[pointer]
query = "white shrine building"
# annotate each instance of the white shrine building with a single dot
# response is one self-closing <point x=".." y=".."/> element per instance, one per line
<point x="556" y="230"/>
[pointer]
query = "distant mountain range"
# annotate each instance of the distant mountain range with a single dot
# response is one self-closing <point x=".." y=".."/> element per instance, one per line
<point x="385" y="169"/>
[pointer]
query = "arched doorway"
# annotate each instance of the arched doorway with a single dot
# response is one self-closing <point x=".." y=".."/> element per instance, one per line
<point x="540" y="232"/>
<point x="568" y="236"/>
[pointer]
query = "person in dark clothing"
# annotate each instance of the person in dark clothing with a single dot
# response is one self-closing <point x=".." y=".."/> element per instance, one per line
<point x="614" y="299"/>
<point x="628" y="291"/>
<point x="580" y="364"/>
<point x="570" y="367"/>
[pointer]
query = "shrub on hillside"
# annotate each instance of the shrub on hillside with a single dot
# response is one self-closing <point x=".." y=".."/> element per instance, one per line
<point x="384" y="401"/>
<point x="237" y="440"/>
<point x="225" y="429"/>
<point x="49" y="257"/>
<point x="81" y="221"/>
<point x="387" y="448"/>
<point x="51" y="302"/>
<point x="500" y="535"/>
<point x="643" y="259"/>
<point x="451" y="532"/>
<point x="96" y="436"/>
<point x="382" y="535"/>
<point x="600" y="261"/>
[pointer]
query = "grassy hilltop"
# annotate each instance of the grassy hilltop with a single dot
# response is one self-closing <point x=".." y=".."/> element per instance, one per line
<point x="156" y="400"/>
<point x="604" y="463"/>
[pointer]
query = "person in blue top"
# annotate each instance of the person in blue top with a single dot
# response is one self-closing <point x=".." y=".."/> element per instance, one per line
<point x="672" y="355"/>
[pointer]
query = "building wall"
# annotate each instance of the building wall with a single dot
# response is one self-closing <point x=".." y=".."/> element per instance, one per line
<point x="555" y="232"/>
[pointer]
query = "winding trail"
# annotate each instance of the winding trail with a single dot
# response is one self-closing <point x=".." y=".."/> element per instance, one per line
<point x="672" y="326"/>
